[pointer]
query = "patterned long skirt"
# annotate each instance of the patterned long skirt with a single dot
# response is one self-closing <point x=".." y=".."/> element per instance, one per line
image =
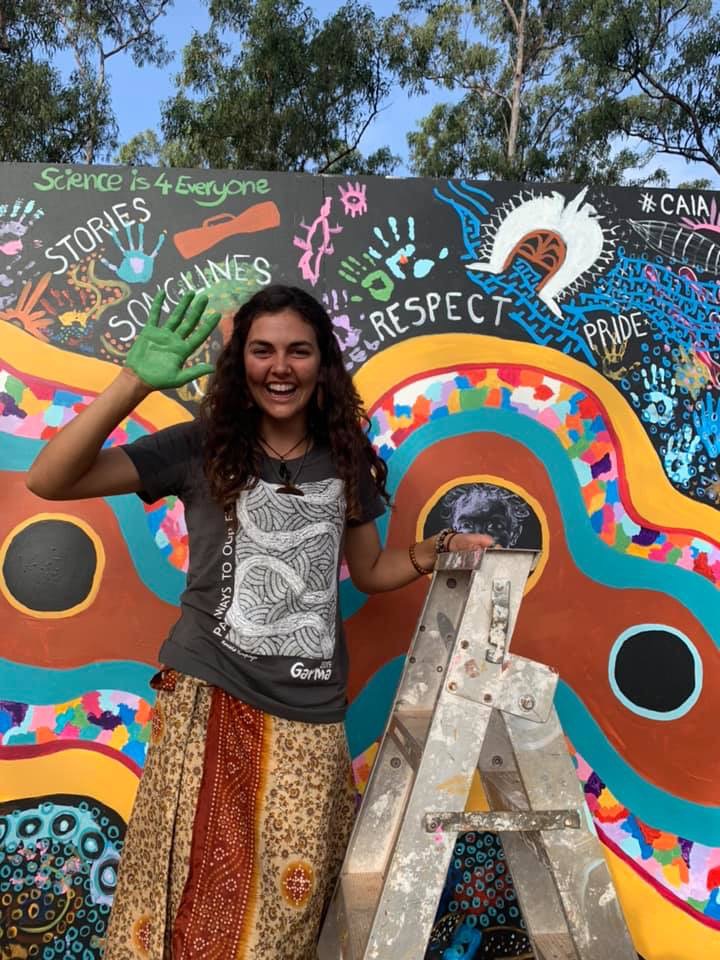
<point x="237" y="834"/>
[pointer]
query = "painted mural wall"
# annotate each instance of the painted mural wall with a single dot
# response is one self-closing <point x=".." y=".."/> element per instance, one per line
<point x="541" y="363"/>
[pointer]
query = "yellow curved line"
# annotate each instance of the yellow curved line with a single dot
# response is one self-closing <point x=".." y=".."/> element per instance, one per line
<point x="39" y="359"/>
<point x="652" y="494"/>
<point x="499" y="482"/>
<point x="97" y="575"/>
<point x="84" y="772"/>
<point x="659" y="929"/>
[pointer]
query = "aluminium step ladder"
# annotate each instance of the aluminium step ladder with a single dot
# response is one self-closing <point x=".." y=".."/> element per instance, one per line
<point x="464" y="703"/>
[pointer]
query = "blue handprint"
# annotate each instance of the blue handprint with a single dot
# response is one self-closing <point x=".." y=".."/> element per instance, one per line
<point x="658" y="402"/>
<point x="707" y="423"/>
<point x="395" y="254"/>
<point x="136" y="265"/>
<point x="679" y="455"/>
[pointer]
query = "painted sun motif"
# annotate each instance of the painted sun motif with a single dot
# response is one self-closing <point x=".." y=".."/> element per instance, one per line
<point x="564" y="239"/>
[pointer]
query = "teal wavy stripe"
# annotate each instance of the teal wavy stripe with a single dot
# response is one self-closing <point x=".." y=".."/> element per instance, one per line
<point x="42" y="685"/>
<point x="595" y="559"/>
<point x="167" y="583"/>
<point x="17" y="453"/>
<point x="368" y="713"/>
<point x="351" y="599"/>
<point x="598" y="562"/>
<point x="662" y="810"/>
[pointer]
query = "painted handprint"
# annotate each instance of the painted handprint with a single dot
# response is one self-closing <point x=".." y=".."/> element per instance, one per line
<point x="136" y="266"/>
<point x="336" y="304"/>
<point x="679" y="455"/>
<point x="706" y="418"/>
<point x="16" y="220"/>
<point x="657" y="404"/>
<point x="348" y="337"/>
<point x="612" y="357"/>
<point x="397" y="251"/>
<point x="366" y="274"/>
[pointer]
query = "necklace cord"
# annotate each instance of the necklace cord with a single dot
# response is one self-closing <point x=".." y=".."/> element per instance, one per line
<point x="283" y="472"/>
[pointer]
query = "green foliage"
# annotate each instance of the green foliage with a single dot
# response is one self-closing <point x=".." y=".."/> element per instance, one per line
<point x="550" y="89"/>
<point x="658" y="63"/>
<point x="270" y="87"/>
<point x="42" y="118"/>
<point x="146" y="149"/>
<point x="45" y="116"/>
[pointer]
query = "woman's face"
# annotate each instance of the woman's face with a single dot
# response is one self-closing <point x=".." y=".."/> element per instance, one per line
<point x="282" y="364"/>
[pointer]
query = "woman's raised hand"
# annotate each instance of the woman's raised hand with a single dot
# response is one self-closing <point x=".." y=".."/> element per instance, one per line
<point x="159" y="353"/>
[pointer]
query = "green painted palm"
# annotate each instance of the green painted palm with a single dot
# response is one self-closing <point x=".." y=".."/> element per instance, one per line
<point x="159" y="353"/>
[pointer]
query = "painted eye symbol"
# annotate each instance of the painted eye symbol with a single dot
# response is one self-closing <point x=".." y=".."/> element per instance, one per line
<point x="353" y="198"/>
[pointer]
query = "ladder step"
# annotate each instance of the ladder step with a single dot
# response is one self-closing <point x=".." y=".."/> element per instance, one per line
<point x="503" y="821"/>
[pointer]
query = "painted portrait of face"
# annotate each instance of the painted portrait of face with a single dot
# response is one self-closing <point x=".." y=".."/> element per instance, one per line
<point x="486" y="508"/>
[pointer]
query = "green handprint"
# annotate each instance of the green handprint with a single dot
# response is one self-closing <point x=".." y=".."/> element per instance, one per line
<point x="367" y="274"/>
<point x="158" y="354"/>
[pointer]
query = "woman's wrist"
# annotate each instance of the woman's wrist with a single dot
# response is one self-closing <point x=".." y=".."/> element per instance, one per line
<point x="424" y="553"/>
<point x="422" y="559"/>
<point x="136" y="388"/>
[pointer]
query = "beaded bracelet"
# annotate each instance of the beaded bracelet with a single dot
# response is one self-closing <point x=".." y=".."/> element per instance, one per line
<point x="449" y="540"/>
<point x="442" y="540"/>
<point x="413" y="560"/>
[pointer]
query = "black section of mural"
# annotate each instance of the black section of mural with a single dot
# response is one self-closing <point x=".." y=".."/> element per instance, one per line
<point x="49" y="565"/>
<point x="58" y="870"/>
<point x="671" y="681"/>
<point x="478" y="917"/>
<point x="623" y="280"/>
<point x="486" y="508"/>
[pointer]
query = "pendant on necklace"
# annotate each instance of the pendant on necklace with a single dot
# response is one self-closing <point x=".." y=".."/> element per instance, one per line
<point x="288" y="486"/>
<point x="291" y="489"/>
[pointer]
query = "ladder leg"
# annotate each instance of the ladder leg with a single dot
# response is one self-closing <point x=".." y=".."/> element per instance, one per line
<point x="420" y="861"/>
<point x="347" y="926"/>
<point x="524" y="854"/>
<point x="573" y="857"/>
<point x="464" y="702"/>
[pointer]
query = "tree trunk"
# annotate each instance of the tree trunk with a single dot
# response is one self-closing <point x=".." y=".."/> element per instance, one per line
<point x="518" y="73"/>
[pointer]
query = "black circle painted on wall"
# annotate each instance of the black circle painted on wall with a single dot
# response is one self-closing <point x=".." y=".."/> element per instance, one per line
<point x="486" y="508"/>
<point x="49" y="565"/>
<point x="655" y="670"/>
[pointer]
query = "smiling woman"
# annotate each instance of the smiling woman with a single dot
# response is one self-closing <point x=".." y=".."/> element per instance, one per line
<point x="248" y="744"/>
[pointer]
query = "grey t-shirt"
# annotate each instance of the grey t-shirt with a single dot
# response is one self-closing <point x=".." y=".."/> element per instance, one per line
<point x="259" y="616"/>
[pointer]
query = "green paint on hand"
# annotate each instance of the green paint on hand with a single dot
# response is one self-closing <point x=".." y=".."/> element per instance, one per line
<point x="159" y="353"/>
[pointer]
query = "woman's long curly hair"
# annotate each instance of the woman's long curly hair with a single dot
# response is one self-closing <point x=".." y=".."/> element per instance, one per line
<point x="336" y="417"/>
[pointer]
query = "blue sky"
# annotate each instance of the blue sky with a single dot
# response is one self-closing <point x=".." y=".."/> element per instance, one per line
<point x="138" y="93"/>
